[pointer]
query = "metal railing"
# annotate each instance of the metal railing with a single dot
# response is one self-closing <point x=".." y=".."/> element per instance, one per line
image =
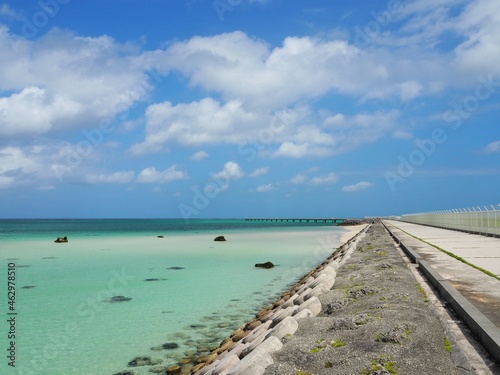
<point x="482" y="220"/>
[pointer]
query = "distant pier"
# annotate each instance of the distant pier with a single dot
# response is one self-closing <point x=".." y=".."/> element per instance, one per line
<point x="289" y="220"/>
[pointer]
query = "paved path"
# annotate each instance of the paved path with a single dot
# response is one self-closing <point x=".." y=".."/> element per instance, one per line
<point x="375" y="320"/>
<point x="481" y="290"/>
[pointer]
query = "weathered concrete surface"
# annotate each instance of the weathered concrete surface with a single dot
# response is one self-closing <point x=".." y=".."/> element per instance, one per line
<point x="481" y="290"/>
<point x="375" y="317"/>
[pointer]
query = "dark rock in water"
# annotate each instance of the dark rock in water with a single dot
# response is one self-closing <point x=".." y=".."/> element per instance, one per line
<point x="219" y="238"/>
<point x="28" y="287"/>
<point x="144" y="361"/>
<point x="264" y="265"/>
<point x="158" y="370"/>
<point x="166" y="346"/>
<point x="118" y="299"/>
<point x="175" y="268"/>
<point x="151" y="279"/>
<point x="174" y="370"/>
<point x="61" y="239"/>
<point x="126" y="372"/>
<point x="160" y="236"/>
<point x="170" y="345"/>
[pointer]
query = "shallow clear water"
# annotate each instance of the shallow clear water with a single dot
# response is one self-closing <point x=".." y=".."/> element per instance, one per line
<point x="184" y="289"/>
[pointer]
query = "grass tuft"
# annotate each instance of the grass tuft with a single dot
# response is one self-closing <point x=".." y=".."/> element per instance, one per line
<point x="447" y="345"/>
<point x="421" y="290"/>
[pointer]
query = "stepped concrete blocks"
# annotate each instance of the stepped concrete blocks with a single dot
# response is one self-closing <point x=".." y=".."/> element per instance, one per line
<point x="316" y="292"/>
<point x="328" y="270"/>
<point x="286" y="327"/>
<point x="312" y="304"/>
<point x="301" y="298"/>
<point x="255" y="363"/>
<point x="324" y="279"/>
<point x="257" y="331"/>
<point x="254" y="344"/>
<point x="290" y="301"/>
<point x="283" y="314"/>
<point x="238" y="348"/>
<point x="225" y="365"/>
<point x="306" y="313"/>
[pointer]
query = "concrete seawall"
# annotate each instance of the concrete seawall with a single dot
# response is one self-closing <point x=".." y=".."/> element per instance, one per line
<point x="487" y="333"/>
<point x="248" y="350"/>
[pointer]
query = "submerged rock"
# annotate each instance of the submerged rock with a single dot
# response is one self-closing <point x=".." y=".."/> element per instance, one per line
<point x="174" y="370"/>
<point x="144" y="361"/>
<point x="166" y="346"/>
<point x="264" y="265"/>
<point x="118" y="299"/>
<point x="61" y="239"/>
<point x="220" y="238"/>
<point x="126" y="372"/>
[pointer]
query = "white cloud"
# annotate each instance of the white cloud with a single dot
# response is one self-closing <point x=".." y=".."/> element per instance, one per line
<point x="151" y="175"/>
<point x="15" y="166"/>
<point x="110" y="178"/>
<point x="329" y="179"/>
<point x="231" y="171"/>
<point x="305" y="178"/>
<point x="493" y="147"/>
<point x="299" y="179"/>
<point x="265" y="188"/>
<point x="200" y="155"/>
<point x="259" y="172"/>
<point x="360" y="186"/>
<point x="62" y="81"/>
<point x="203" y="122"/>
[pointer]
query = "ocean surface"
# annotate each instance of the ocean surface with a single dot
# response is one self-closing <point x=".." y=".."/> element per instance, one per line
<point x="116" y="290"/>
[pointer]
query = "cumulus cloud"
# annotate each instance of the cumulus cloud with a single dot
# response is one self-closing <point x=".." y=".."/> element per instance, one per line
<point x="231" y="171"/>
<point x="198" y="123"/>
<point x="152" y="176"/>
<point x="64" y="81"/>
<point x="200" y="155"/>
<point x="360" y="186"/>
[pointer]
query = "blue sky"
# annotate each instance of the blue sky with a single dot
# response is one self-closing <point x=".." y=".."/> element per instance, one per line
<point x="247" y="108"/>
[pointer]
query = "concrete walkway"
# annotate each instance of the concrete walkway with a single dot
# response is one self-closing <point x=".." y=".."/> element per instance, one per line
<point x="481" y="290"/>
<point x="472" y="293"/>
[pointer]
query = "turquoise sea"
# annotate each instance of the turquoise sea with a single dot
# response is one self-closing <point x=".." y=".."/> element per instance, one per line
<point x="116" y="290"/>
